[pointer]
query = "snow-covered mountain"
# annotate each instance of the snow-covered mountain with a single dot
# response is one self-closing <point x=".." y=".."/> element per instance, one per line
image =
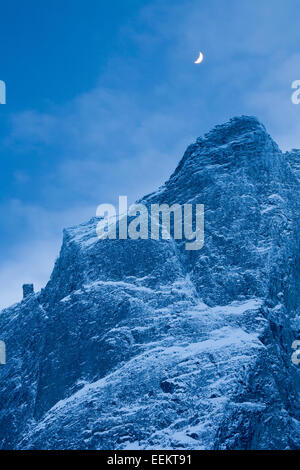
<point x="141" y="344"/>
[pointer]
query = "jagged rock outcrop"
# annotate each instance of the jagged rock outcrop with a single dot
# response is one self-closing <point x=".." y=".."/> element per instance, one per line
<point x="143" y="344"/>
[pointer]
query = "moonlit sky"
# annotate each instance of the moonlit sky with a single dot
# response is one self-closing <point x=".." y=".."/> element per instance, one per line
<point x="103" y="97"/>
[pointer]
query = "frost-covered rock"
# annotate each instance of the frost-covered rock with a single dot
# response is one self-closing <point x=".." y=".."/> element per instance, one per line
<point x="143" y="344"/>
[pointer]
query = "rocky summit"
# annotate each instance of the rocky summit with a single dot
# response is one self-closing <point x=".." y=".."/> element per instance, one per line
<point x="141" y="344"/>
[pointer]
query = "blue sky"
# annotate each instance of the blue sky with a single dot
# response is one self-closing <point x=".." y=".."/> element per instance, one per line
<point x="103" y="98"/>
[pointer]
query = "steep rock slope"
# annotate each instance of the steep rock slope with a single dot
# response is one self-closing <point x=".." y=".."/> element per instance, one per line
<point x="143" y="344"/>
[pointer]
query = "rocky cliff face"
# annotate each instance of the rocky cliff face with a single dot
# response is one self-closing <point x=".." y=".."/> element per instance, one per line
<point x="143" y="344"/>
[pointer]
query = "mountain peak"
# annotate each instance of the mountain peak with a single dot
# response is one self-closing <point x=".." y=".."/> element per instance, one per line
<point x="235" y="127"/>
<point x="245" y="133"/>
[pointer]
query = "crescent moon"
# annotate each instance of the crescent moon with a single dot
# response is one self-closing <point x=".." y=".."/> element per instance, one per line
<point x="200" y="58"/>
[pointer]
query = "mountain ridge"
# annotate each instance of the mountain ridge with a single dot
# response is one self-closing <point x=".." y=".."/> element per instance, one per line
<point x="141" y="344"/>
